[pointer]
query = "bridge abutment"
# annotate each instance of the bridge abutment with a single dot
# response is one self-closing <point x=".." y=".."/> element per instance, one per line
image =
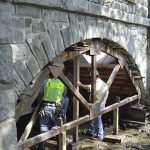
<point x="8" y="140"/>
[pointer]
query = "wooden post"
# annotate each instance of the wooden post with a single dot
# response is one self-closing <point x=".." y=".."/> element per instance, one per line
<point x="116" y="118"/>
<point x="62" y="137"/>
<point x="75" y="101"/>
<point x="93" y="73"/>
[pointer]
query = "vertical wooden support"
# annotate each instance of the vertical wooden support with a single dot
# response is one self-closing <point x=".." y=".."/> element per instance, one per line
<point x="75" y="102"/>
<point x="61" y="137"/>
<point x="93" y="73"/>
<point x="116" y="118"/>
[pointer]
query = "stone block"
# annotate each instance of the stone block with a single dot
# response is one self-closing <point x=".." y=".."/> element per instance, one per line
<point x="94" y="8"/>
<point x="74" y="23"/>
<point x="141" y="10"/>
<point x="19" y="86"/>
<point x="5" y="23"/>
<point x="100" y="26"/>
<point x="23" y="71"/>
<point x="28" y="22"/>
<point x="18" y="35"/>
<point x="36" y="47"/>
<point x="81" y="5"/>
<point x="49" y="49"/>
<point x="32" y="64"/>
<point x="38" y="26"/>
<point x="20" y="57"/>
<point x="91" y="27"/>
<point x="105" y="11"/>
<point x="8" y="140"/>
<point x="67" y="36"/>
<point x="56" y="38"/>
<point x="58" y="16"/>
<point x="7" y="100"/>
<point x="82" y="29"/>
<point x="18" y="23"/>
<point x="28" y="11"/>
<point x="51" y="3"/>
<point x="6" y="64"/>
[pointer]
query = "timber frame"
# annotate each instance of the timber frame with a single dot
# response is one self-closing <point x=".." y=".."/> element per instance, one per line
<point x="56" y="68"/>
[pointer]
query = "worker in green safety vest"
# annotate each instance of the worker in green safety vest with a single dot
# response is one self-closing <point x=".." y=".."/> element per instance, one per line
<point x="50" y="111"/>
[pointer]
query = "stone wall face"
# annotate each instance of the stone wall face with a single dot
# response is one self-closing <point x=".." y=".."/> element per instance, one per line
<point x="44" y="33"/>
<point x="8" y="138"/>
<point x="33" y="32"/>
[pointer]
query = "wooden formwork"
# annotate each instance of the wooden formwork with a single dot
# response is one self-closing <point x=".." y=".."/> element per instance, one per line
<point x="93" y="108"/>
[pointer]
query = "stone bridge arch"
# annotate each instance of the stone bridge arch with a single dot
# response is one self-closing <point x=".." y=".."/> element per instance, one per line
<point x="35" y="32"/>
<point x="37" y="45"/>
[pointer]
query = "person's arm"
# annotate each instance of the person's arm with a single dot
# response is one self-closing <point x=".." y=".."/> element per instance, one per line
<point x="84" y="86"/>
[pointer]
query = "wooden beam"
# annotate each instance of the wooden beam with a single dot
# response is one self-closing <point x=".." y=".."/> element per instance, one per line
<point x="46" y="135"/>
<point x="113" y="53"/>
<point x="113" y="75"/>
<point x="106" y="66"/>
<point x="93" y="75"/>
<point x="95" y="111"/>
<point x="66" y="55"/>
<point x="28" y="100"/>
<point x="30" y="124"/>
<point x="75" y="102"/>
<point x="56" y="69"/>
<point x="74" y="91"/>
<point x="116" y="118"/>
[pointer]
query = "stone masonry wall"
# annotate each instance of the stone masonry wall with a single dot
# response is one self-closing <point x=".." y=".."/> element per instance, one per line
<point x="7" y="95"/>
<point x="33" y="32"/>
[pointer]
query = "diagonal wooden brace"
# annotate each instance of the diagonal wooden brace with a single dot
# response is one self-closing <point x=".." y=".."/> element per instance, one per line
<point x="74" y="91"/>
<point x="56" y="69"/>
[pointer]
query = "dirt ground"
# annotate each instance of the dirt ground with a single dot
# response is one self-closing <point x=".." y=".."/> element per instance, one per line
<point x="137" y="138"/>
<point x="132" y="139"/>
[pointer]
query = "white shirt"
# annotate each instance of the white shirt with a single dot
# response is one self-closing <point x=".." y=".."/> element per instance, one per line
<point x="101" y="89"/>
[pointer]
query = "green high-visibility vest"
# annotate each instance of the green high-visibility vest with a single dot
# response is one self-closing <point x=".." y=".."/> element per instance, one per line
<point x="53" y="90"/>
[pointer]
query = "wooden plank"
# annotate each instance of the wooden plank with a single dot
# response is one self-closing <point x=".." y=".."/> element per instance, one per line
<point x="116" y="118"/>
<point x="30" y="124"/>
<point x="75" y="102"/>
<point x="66" y="55"/>
<point x="95" y="111"/>
<point x="113" y="75"/>
<point x="93" y="73"/>
<point x="115" y="121"/>
<point x="26" y="100"/>
<point x="46" y="135"/>
<point x="62" y="141"/>
<point x="114" y="138"/>
<point x="74" y="91"/>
